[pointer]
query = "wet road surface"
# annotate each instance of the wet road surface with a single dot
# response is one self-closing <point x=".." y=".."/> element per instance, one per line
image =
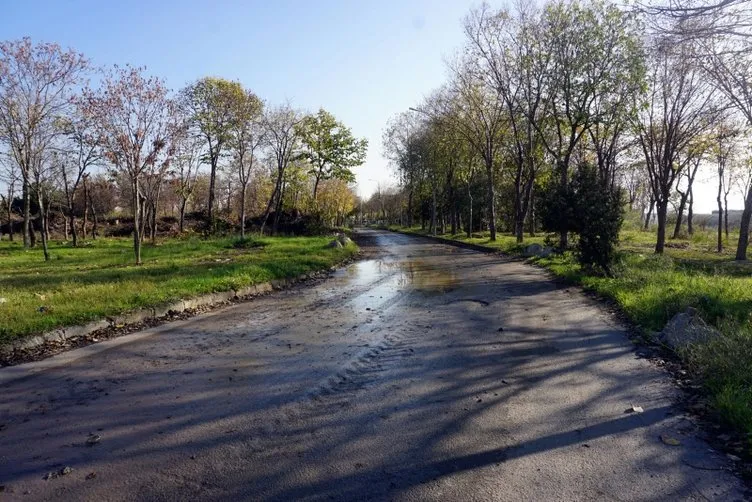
<point x="431" y="373"/>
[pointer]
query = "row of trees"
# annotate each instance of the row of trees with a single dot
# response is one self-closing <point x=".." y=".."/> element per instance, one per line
<point x="56" y="130"/>
<point x="627" y="103"/>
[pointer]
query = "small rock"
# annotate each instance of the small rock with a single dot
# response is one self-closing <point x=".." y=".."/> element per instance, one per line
<point x="66" y="470"/>
<point x="500" y="330"/>
<point x="93" y="439"/>
<point x="634" y="409"/>
<point x="49" y="476"/>
<point x="3" y="300"/>
<point x="343" y="239"/>
<point x="670" y="440"/>
<point x="686" y="328"/>
<point x="91" y="475"/>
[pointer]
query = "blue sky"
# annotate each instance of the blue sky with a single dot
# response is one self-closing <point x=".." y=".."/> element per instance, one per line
<point x="364" y="61"/>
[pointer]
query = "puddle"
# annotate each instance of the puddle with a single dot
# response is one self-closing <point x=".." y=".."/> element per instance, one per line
<point x="421" y="276"/>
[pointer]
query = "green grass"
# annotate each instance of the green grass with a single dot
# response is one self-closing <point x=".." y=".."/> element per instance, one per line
<point x="650" y="289"/>
<point x="98" y="280"/>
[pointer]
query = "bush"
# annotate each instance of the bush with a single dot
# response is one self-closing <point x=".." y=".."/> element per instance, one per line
<point x="599" y="214"/>
<point x="592" y="210"/>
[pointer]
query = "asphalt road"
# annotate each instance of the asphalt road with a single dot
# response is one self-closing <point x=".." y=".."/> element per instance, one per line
<point x="430" y="373"/>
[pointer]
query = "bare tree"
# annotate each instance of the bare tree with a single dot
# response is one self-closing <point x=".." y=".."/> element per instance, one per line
<point x="10" y="176"/>
<point x="479" y="114"/>
<point x="677" y="109"/>
<point x="508" y="48"/>
<point x="282" y="141"/>
<point x="186" y="165"/>
<point x="78" y="153"/>
<point x="686" y="195"/>
<point x="135" y="120"/>
<point x="35" y="85"/>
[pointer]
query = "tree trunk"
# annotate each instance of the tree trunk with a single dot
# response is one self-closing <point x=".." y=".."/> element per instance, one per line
<point x="10" y="217"/>
<point x="94" y="230"/>
<point x="662" y="209"/>
<point x="680" y="215"/>
<point x="212" y="181"/>
<point x="720" y="214"/>
<point x="470" y="212"/>
<point x="43" y="217"/>
<point x="183" y="204"/>
<point x="136" y="221"/>
<point x="690" y="212"/>
<point x="531" y="216"/>
<point x="153" y="225"/>
<point x="27" y="238"/>
<point x="564" y="233"/>
<point x="725" y="215"/>
<point x="410" y="208"/>
<point x="491" y="203"/>
<point x="242" y="209"/>
<point x="86" y="206"/>
<point x="278" y="211"/>
<point x="741" y="248"/>
<point x="433" y="210"/>
<point x="649" y="216"/>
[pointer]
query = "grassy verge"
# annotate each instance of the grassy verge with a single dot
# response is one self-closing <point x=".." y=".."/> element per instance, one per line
<point x="98" y="280"/>
<point x="651" y="289"/>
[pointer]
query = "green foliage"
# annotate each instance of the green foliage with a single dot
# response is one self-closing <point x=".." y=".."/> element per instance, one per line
<point x="598" y="213"/>
<point x="88" y="283"/>
<point x="212" y="105"/>
<point x="724" y="364"/>
<point x="592" y="210"/>
<point x="330" y="147"/>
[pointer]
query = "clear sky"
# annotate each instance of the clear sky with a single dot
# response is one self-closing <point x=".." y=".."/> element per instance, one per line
<point x="363" y="60"/>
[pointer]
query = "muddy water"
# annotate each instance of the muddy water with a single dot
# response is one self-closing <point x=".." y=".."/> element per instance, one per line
<point x="430" y="373"/>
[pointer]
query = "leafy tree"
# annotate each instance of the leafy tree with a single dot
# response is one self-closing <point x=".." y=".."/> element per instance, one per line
<point x="247" y="135"/>
<point x="331" y="148"/>
<point x="594" y="48"/>
<point x="212" y="105"/>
